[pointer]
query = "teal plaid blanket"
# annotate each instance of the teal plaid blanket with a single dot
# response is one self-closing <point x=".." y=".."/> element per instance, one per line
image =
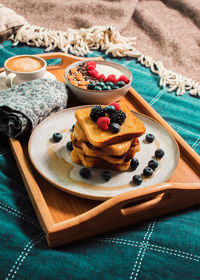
<point x="163" y="248"/>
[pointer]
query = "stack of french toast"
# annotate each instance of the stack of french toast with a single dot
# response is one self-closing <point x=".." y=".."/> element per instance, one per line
<point x="95" y="145"/>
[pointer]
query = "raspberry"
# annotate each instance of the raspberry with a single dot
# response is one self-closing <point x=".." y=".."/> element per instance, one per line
<point x="92" y="62"/>
<point x="123" y="78"/>
<point x="97" y="112"/>
<point x="90" y="68"/>
<point x="102" y="77"/>
<point x="94" y="73"/>
<point x="111" y="78"/>
<point x="116" y="105"/>
<point x="103" y="123"/>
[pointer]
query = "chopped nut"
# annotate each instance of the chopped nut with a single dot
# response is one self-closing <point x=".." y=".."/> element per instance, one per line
<point x="83" y="87"/>
<point x="70" y="77"/>
<point x="73" y="70"/>
<point x="79" y="76"/>
<point x="83" y="83"/>
<point x="73" y="82"/>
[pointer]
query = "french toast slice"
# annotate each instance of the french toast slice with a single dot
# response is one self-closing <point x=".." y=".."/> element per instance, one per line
<point x="78" y="134"/>
<point x="92" y="162"/>
<point x="131" y="128"/>
<point x="75" y="158"/>
<point x="117" y="149"/>
<point x="112" y="159"/>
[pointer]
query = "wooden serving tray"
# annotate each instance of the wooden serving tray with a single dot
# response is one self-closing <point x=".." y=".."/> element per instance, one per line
<point x="66" y="218"/>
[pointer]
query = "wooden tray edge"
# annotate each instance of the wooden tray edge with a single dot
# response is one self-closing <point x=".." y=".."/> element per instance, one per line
<point x="53" y="231"/>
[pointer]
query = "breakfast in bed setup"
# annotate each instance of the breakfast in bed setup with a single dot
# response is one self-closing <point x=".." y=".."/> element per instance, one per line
<point x="97" y="156"/>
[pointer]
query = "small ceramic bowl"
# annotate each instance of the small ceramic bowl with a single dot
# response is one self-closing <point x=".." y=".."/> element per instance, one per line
<point x="88" y="96"/>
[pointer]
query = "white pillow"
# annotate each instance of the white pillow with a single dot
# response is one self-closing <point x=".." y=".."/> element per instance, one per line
<point x="10" y="22"/>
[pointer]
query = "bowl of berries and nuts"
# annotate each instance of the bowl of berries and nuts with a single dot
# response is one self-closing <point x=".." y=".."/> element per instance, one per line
<point x="98" y="82"/>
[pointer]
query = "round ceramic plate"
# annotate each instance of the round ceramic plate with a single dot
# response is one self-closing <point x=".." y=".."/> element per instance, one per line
<point x="53" y="160"/>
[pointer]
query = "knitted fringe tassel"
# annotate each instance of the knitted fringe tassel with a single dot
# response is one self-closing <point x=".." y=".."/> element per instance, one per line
<point x="106" y="38"/>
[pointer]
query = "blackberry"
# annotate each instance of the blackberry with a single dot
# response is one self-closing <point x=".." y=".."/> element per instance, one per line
<point x="114" y="127"/>
<point x="134" y="163"/>
<point x="118" y="117"/>
<point x="137" y="179"/>
<point x="97" y="112"/>
<point x="57" y="136"/>
<point x="106" y="175"/>
<point x="85" y="172"/>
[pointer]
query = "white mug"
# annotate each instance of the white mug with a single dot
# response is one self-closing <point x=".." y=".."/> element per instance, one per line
<point x="24" y="68"/>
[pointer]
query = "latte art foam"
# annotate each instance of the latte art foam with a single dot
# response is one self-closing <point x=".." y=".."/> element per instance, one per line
<point x="24" y="64"/>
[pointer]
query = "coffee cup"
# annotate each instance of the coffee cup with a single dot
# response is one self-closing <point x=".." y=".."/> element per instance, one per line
<point x="24" y="68"/>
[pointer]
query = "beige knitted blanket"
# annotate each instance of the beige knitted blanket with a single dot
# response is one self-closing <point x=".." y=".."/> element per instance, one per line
<point x="163" y="35"/>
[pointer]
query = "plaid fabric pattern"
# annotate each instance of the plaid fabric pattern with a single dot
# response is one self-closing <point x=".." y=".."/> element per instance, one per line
<point x="163" y="248"/>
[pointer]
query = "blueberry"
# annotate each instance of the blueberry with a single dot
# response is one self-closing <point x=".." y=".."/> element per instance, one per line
<point x="115" y="87"/>
<point x="137" y="179"/>
<point x="69" y="146"/>
<point x="57" y="137"/>
<point x="114" y="127"/>
<point x="109" y="87"/>
<point x="134" y="163"/>
<point x="73" y="127"/>
<point x="148" y="171"/>
<point x="153" y="164"/>
<point x="100" y="84"/>
<point x="159" y="153"/>
<point x="150" y="137"/>
<point x="110" y="109"/>
<point x="109" y="84"/>
<point x="97" y="88"/>
<point x="121" y="84"/>
<point x="106" y="175"/>
<point x="85" y="172"/>
<point x="91" y="86"/>
<point x="105" y="88"/>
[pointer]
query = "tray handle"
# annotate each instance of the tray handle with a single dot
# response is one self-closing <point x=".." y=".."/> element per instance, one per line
<point x="66" y="59"/>
<point x="168" y="193"/>
<point x="143" y="204"/>
<point x="125" y="209"/>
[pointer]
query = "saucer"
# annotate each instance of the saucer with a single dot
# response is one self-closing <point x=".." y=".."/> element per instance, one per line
<point x="3" y="85"/>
